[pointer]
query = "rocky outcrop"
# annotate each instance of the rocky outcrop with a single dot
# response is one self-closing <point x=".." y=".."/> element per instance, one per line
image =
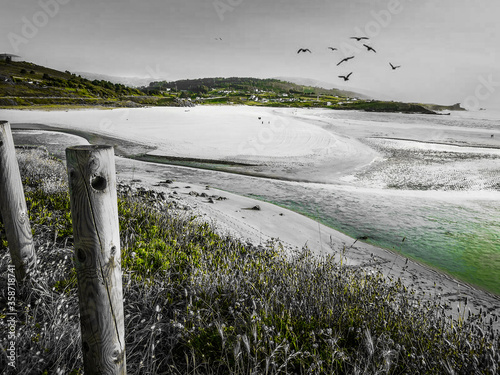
<point x="183" y="102"/>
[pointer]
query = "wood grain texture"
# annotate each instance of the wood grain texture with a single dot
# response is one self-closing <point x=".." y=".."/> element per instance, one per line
<point x="94" y="211"/>
<point x="13" y="208"/>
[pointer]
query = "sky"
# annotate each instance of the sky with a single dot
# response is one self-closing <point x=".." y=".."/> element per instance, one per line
<point x="448" y="50"/>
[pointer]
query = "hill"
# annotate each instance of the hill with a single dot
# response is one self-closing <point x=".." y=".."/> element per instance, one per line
<point x="25" y="84"/>
<point x="381" y="98"/>
<point x="273" y="92"/>
<point x="351" y="91"/>
<point x="28" y="84"/>
<point x="248" y="85"/>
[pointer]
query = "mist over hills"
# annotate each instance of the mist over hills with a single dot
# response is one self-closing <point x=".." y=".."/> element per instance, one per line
<point x="127" y="81"/>
<point x="358" y="92"/>
<point x="308" y="82"/>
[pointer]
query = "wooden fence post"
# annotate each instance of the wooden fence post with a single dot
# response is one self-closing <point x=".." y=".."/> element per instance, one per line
<point x="94" y="211"/>
<point x="13" y="208"/>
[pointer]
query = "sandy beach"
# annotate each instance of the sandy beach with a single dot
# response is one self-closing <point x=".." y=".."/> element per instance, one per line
<point x="304" y="145"/>
<point x="235" y="216"/>
<point x="266" y="142"/>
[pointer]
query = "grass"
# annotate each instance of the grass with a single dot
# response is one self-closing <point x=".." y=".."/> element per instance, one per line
<point x="197" y="302"/>
<point x="30" y="85"/>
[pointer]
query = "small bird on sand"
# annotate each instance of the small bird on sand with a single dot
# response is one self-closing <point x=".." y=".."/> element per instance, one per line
<point x="304" y="50"/>
<point x="359" y="38"/>
<point x="333" y="49"/>
<point x="346" y="78"/>
<point x="345" y="59"/>
<point x="369" y="48"/>
<point x="394" y="67"/>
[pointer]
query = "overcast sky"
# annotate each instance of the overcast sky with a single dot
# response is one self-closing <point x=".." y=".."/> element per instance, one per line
<point x="448" y="49"/>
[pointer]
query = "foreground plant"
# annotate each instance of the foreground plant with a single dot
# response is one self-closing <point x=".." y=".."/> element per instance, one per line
<point x="197" y="302"/>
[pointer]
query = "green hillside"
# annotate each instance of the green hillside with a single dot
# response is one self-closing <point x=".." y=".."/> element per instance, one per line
<point x="27" y="84"/>
<point x="24" y="84"/>
<point x="246" y="85"/>
<point x="278" y="93"/>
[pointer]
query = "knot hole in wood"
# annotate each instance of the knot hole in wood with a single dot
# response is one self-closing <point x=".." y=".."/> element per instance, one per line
<point x="99" y="183"/>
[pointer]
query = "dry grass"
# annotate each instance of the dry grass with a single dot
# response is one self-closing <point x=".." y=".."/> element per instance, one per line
<point x="199" y="303"/>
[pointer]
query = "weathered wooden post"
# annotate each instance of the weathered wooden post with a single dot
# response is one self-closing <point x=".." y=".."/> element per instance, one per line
<point x="94" y="210"/>
<point x="13" y="208"/>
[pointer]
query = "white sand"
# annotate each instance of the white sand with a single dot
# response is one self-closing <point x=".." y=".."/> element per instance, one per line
<point x="200" y="132"/>
<point x="276" y="141"/>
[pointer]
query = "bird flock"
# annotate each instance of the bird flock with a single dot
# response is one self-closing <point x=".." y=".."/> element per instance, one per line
<point x="369" y="48"/>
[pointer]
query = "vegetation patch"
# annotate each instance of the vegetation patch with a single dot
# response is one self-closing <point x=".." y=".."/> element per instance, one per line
<point x="23" y="84"/>
<point x="197" y="302"/>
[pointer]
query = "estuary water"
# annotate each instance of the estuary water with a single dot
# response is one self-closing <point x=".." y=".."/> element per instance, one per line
<point x="432" y="194"/>
<point x="455" y="229"/>
<point x="458" y="234"/>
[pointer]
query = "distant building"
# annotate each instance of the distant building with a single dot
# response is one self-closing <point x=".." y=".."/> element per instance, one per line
<point x="7" y="57"/>
<point x="5" y="79"/>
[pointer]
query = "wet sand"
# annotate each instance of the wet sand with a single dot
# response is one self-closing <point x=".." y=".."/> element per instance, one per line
<point x="305" y="159"/>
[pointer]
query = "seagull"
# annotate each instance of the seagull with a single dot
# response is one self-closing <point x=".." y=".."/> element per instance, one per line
<point x="394" y="67"/>
<point x="369" y="48"/>
<point x="346" y="59"/>
<point x="346" y="78"/>
<point x="358" y="38"/>
<point x="333" y="49"/>
<point x="304" y="50"/>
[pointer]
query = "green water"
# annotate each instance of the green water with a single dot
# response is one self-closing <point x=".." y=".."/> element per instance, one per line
<point x="459" y="236"/>
<point x="462" y="240"/>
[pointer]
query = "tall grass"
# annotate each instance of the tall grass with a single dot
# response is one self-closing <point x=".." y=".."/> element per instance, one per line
<point x="197" y="302"/>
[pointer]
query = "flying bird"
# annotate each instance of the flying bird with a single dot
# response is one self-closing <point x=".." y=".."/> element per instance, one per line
<point x="346" y="59"/>
<point x="394" y="67"/>
<point x="304" y="50"/>
<point x="369" y="48"/>
<point x="358" y="38"/>
<point x="346" y="78"/>
<point x="333" y="49"/>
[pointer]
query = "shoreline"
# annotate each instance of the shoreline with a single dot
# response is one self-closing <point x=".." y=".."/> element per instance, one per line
<point x="231" y="216"/>
<point x="234" y="216"/>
